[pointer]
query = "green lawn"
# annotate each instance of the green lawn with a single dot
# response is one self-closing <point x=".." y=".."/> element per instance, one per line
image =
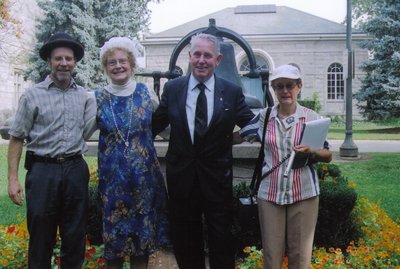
<point x="377" y="178"/>
<point x="9" y="212"/>
<point x="367" y="130"/>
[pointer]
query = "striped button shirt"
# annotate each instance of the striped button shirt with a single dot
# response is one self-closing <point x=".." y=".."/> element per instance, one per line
<point x="53" y="120"/>
<point x="280" y="138"/>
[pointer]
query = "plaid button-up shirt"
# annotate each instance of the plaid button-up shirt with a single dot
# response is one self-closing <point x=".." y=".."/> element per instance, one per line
<point x="53" y="120"/>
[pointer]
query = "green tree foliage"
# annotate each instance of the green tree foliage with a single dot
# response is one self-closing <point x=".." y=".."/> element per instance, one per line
<point x="379" y="96"/>
<point x="92" y="22"/>
<point x="10" y="28"/>
<point x="362" y="10"/>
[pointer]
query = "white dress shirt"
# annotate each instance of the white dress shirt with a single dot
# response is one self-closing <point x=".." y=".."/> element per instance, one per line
<point x="191" y="100"/>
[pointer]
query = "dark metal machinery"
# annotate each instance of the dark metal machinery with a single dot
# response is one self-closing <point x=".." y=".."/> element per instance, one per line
<point x="227" y="68"/>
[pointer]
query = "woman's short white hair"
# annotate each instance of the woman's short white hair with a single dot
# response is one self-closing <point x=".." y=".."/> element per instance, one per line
<point x="122" y="43"/>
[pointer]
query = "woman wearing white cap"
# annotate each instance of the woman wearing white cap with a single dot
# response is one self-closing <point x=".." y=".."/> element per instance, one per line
<point x="131" y="184"/>
<point x="287" y="204"/>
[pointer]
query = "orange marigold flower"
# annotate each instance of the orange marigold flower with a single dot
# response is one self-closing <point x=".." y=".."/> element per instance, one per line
<point x="10" y="229"/>
<point x="4" y="262"/>
<point x="91" y="265"/>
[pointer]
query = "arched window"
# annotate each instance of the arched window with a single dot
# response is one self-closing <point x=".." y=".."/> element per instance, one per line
<point x="261" y="63"/>
<point x="335" y="82"/>
<point x="252" y="87"/>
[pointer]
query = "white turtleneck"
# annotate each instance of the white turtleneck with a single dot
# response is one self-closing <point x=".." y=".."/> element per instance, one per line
<point x="129" y="88"/>
<point x="122" y="90"/>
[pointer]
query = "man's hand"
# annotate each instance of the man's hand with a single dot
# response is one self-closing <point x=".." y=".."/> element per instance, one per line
<point x="236" y="138"/>
<point x="15" y="191"/>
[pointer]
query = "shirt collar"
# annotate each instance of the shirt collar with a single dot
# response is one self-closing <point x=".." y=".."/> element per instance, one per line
<point x="210" y="83"/>
<point x="300" y="112"/>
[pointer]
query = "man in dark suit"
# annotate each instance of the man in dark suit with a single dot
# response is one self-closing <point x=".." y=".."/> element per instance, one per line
<point x="202" y="110"/>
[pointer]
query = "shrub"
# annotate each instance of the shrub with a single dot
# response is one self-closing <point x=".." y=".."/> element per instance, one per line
<point x="337" y="119"/>
<point x="246" y="225"/>
<point x="307" y="103"/>
<point x="95" y="224"/>
<point x="313" y="103"/>
<point x="336" y="226"/>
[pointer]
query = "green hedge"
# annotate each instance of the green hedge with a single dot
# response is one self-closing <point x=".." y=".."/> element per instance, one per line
<point x="307" y="103"/>
<point x="95" y="224"/>
<point x="312" y="103"/>
<point x="335" y="227"/>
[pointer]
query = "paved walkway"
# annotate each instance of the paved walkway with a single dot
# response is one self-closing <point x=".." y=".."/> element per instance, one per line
<point x="362" y="145"/>
<point x="370" y="145"/>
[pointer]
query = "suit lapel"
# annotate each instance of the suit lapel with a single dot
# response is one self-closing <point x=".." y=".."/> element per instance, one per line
<point x="218" y="101"/>
<point x="181" y="96"/>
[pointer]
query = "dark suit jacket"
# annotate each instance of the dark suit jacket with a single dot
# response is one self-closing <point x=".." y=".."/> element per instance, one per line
<point x="212" y="163"/>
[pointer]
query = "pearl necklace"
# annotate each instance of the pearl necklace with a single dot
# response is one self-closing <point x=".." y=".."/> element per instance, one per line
<point x="125" y="140"/>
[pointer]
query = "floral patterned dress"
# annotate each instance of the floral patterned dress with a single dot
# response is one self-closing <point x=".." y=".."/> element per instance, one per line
<point x="131" y="184"/>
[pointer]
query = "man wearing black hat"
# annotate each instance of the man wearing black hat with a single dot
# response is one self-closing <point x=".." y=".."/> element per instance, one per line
<point x="51" y="117"/>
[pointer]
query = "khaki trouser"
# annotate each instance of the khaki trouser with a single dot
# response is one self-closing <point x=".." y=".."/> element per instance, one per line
<point x="288" y="229"/>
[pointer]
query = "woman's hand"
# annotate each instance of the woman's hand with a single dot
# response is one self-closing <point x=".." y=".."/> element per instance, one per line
<point x="321" y="155"/>
<point x="303" y="151"/>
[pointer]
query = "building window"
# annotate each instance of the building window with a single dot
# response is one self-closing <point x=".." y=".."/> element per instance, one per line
<point x="335" y="82"/>
<point x="18" y="80"/>
<point x="261" y="64"/>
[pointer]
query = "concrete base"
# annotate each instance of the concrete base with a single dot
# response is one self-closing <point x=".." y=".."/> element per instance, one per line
<point x="244" y="158"/>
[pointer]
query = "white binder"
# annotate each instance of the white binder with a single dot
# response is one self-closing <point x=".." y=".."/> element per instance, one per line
<point x="313" y="135"/>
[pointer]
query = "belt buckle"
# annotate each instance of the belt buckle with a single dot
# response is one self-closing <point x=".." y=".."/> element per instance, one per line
<point x="61" y="159"/>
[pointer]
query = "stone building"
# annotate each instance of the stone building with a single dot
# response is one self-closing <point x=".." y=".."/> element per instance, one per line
<point x="14" y="53"/>
<point x="278" y="35"/>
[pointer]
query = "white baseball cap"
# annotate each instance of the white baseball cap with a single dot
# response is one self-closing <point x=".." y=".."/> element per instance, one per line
<point x="285" y="71"/>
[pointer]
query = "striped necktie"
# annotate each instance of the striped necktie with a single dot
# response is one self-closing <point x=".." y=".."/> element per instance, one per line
<point x="200" y="123"/>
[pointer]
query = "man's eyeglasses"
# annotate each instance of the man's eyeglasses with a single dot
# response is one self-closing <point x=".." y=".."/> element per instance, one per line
<point x="289" y="86"/>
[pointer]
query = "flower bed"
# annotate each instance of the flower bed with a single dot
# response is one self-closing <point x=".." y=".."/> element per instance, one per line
<point x="379" y="247"/>
<point x="14" y="249"/>
<point x="14" y="244"/>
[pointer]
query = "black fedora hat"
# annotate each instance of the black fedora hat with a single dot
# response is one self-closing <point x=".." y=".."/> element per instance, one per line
<point x="61" y="39"/>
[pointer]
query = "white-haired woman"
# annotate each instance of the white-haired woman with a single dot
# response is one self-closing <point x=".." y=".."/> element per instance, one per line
<point x="131" y="184"/>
